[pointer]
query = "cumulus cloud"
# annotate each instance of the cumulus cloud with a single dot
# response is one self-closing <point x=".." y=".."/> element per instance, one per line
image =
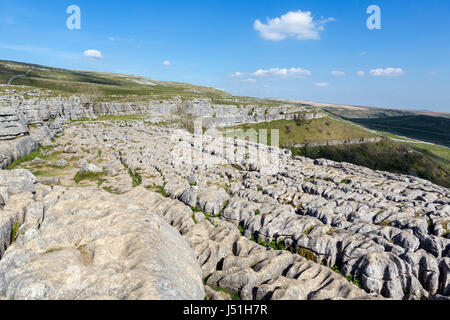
<point x="237" y="75"/>
<point x="282" y="72"/>
<point x="294" y="24"/>
<point x="94" y="54"/>
<point x="274" y="73"/>
<point x="322" y="84"/>
<point x="360" y="73"/>
<point x="167" y="63"/>
<point x="387" y="72"/>
<point x="337" y="73"/>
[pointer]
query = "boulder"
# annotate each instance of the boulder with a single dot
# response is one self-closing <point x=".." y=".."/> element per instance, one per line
<point x="92" y="245"/>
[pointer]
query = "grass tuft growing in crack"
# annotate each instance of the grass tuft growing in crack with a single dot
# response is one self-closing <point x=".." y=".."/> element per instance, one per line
<point x="135" y="177"/>
<point x="14" y="232"/>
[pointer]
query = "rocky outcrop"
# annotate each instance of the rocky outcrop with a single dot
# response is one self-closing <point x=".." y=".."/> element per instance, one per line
<point x="249" y="219"/>
<point x="371" y="226"/>
<point x="87" y="244"/>
<point x="339" y="142"/>
<point x="38" y="110"/>
<point x="13" y="150"/>
<point x="12" y="124"/>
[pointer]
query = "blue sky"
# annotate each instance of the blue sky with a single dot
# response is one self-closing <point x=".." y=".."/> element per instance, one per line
<point x="405" y="64"/>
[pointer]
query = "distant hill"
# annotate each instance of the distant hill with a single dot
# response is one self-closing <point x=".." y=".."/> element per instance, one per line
<point x="426" y="128"/>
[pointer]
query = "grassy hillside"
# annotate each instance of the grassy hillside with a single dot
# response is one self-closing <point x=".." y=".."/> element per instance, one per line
<point x="308" y="131"/>
<point x="360" y="112"/>
<point x="427" y="161"/>
<point x="385" y="155"/>
<point x="115" y="87"/>
<point x="426" y="128"/>
<point x="351" y="112"/>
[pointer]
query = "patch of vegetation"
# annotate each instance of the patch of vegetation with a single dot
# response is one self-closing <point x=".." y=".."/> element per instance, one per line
<point x="308" y="231"/>
<point x="236" y="167"/>
<point x="274" y="244"/>
<point x="295" y="132"/>
<point x="14" y="232"/>
<point x="385" y="223"/>
<point x="31" y="156"/>
<point x="423" y="127"/>
<point x="111" y="190"/>
<point x="45" y="173"/>
<point x="158" y="189"/>
<point x="307" y="254"/>
<point x="350" y="278"/>
<point x="53" y="250"/>
<point x="135" y="177"/>
<point x="89" y="176"/>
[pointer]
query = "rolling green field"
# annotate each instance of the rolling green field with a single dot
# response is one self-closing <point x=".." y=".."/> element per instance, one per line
<point x="426" y="128"/>
<point x="294" y="132"/>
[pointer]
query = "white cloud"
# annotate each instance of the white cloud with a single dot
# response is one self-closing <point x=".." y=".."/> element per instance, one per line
<point x="338" y="73"/>
<point x="296" y="24"/>
<point x="237" y="75"/>
<point x="322" y="84"/>
<point x="249" y="80"/>
<point x="282" y="72"/>
<point x="360" y="73"/>
<point x="94" y="54"/>
<point x="274" y="73"/>
<point x="167" y="63"/>
<point x="387" y="72"/>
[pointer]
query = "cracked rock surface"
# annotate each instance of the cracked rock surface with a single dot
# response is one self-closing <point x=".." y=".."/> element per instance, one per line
<point x="268" y="226"/>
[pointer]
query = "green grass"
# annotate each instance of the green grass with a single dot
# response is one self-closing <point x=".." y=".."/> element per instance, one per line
<point x="135" y="177"/>
<point x="293" y="132"/>
<point x="111" y="190"/>
<point x="14" y="232"/>
<point x="31" y="156"/>
<point x="46" y="173"/>
<point x="307" y="254"/>
<point x="350" y="278"/>
<point x="158" y="189"/>
<point x="89" y="176"/>
<point x="438" y="153"/>
<point x="426" y="128"/>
